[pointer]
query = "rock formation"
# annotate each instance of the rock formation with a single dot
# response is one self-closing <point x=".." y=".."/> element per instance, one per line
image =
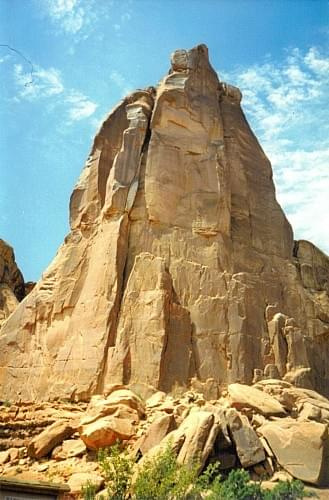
<point x="12" y="287"/>
<point x="180" y="267"/>
<point x="278" y="432"/>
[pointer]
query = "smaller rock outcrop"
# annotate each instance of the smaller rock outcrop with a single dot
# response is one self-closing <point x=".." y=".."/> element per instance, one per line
<point x="12" y="287"/>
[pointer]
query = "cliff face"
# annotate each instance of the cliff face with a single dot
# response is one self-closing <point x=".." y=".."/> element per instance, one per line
<point x="12" y="287"/>
<point x="180" y="265"/>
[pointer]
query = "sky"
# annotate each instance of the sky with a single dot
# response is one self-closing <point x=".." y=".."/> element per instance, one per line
<point x="73" y="60"/>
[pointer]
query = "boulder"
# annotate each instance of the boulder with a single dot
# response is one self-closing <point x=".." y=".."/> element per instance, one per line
<point x="200" y="429"/>
<point x="69" y="448"/>
<point x="192" y="442"/>
<point x="159" y="428"/>
<point x="4" y="457"/>
<point x="301" y="448"/>
<point x="53" y="435"/>
<point x="248" y="445"/>
<point x="106" y="431"/>
<point x="156" y="399"/>
<point x="79" y="480"/>
<point x="244" y="396"/>
<point x="119" y="403"/>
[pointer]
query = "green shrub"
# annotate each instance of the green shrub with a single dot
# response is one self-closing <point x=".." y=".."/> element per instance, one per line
<point x="88" y="491"/>
<point x="287" y="490"/>
<point x="209" y="478"/>
<point x="163" y="478"/>
<point x="117" y="469"/>
<point x="236" y="487"/>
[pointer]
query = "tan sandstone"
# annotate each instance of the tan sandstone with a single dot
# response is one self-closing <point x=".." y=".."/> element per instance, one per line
<point x="301" y="448"/>
<point x="180" y="264"/>
<point x="42" y="444"/>
<point x="12" y="287"/>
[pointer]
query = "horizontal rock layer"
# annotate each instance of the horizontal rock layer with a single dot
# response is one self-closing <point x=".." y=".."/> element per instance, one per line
<point x="180" y="265"/>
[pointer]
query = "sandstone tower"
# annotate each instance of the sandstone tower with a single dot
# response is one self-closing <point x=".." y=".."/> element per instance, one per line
<point x="180" y="266"/>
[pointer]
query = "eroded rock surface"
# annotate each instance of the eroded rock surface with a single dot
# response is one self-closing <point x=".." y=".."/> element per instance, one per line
<point x="12" y="288"/>
<point x="180" y="264"/>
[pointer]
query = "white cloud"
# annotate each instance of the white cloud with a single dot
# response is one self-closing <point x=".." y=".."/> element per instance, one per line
<point x="48" y="84"/>
<point x="287" y="105"/>
<point x="70" y="15"/>
<point x="4" y="58"/>
<point x="121" y="82"/>
<point x="80" y="106"/>
<point x="126" y="17"/>
<point x="81" y="17"/>
<point x="40" y="83"/>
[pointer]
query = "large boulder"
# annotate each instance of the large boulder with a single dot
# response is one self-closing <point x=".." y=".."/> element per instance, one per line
<point x="106" y="431"/>
<point x="158" y="429"/>
<point x="111" y="419"/>
<point x="248" y="445"/>
<point x="53" y="435"/>
<point x="301" y="448"/>
<point x="243" y="396"/>
<point x="192" y="442"/>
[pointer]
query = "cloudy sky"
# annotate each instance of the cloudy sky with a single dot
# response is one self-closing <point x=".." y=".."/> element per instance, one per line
<point x="65" y="63"/>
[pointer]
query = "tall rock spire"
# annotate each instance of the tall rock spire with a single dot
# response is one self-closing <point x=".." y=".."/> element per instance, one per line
<point x="180" y="265"/>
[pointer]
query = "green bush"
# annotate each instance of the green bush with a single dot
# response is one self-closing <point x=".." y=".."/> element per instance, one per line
<point x="117" y="469"/>
<point x="288" y="490"/>
<point x="236" y="487"/>
<point x="162" y="478"/>
<point x="88" y="491"/>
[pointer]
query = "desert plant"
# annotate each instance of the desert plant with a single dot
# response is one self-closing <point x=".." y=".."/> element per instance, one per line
<point x="117" y="469"/>
<point x="210" y="477"/>
<point x="88" y="491"/>
<point x="163" y="478"/>
<point x="288" y="490"/>
<point x="236" y="487"/>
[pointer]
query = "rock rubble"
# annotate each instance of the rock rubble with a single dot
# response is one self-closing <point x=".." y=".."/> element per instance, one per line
<point x="201" y="431"/>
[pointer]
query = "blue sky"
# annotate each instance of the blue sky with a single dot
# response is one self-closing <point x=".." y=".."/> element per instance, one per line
<point x="87" y="54"/>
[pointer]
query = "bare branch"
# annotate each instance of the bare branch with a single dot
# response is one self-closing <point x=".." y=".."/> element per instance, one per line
<point x="27" y="84"/>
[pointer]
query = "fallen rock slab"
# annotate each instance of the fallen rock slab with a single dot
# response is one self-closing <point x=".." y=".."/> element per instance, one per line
<point x="244" y="396"/>
<point x="55" y="434"/>
<point x="192" y="442"/>
<point x="301" y="448"/>
<point x="200" y="430"/>
<point x="156" y="432"/>
<point x="248" y="445"/>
